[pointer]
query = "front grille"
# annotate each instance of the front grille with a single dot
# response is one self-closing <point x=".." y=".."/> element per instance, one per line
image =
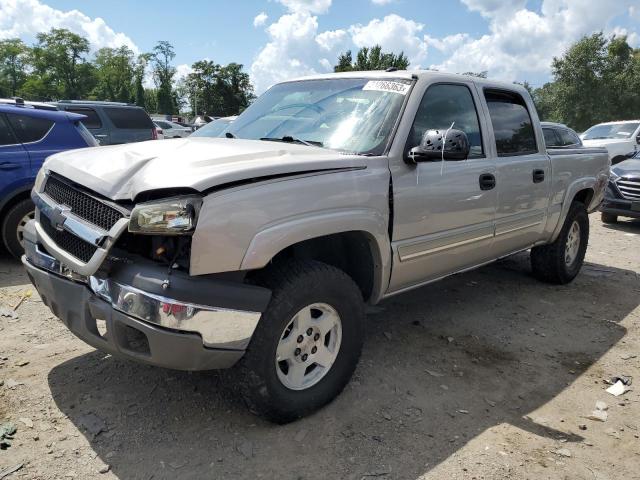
<point x="67" y="241"/>
<point x="83" y="205"/>
<point x="629" y="187"/>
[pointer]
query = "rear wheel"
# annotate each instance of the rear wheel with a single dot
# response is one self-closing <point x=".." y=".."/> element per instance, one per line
<point x="13" y="226"/>
<point x="307" y="343"/>
<point x="560" y="261"/>
<point x="609" y="218"/>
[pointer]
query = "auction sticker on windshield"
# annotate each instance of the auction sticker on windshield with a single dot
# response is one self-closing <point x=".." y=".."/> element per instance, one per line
<point x="387" y="86"/>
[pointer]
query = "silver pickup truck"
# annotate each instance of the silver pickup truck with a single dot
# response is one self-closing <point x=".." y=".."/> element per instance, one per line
<point x="260" y="249"/>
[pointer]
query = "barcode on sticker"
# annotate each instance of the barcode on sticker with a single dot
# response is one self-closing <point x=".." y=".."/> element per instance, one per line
<point x="387" y="86"/>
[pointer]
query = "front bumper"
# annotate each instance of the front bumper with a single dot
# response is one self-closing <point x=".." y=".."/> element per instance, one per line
<point x="616" y="205"/>
<point x="142" y="324"/>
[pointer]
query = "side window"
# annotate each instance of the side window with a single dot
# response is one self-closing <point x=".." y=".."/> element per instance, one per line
<point x="129" y="118"/>
<point x="442" y="105"/>
<point x="512" y="125"/>
<point x="6" y="135"/>
<point x="29" y="129"/>
<point x="92" y="120"/>
<point x="568" y="138"/>
<point x="550" y="138"/>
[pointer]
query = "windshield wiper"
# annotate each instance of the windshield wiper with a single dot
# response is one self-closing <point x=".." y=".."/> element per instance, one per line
<point x="290" y="139"/>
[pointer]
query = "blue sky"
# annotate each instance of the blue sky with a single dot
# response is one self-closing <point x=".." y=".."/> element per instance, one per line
<point x="277" y="39"/>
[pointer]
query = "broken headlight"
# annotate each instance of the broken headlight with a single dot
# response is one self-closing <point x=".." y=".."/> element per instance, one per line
<point x="173" y="216"/>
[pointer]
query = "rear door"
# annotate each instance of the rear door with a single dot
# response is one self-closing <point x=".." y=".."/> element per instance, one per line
<point x="523" y="171"/>
<point x="93" y="123"/>
<point x="14" y="161"/>
<point x="129" y="124"/>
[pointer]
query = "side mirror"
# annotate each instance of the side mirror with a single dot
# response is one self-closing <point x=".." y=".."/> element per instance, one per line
<point x="455" y="146"/>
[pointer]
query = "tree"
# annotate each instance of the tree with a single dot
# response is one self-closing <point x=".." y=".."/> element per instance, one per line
<point x="596" y="80"/>
<point x="371" y="59"/>
<point x="163" y="73"/>
<point x="115" y="70"/>
<point x="14" y="56"/>
<point x="218" y="90"/>
<point x="59" y="60"/>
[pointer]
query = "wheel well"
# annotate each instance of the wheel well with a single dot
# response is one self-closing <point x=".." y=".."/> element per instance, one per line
<point x="584" y="196"/>
<point x="351" y="252"/>
<point x="13" y="201"/>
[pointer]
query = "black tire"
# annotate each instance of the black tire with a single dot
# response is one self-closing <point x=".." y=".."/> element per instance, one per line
<point x="548" y="261"/>
<point x="295" y="285"/>
<point x="13" y="218"/>
<point x="608" y="218"/>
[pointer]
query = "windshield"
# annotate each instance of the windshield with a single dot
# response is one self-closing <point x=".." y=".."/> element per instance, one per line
<point x="353" y="115"/>
<point x="613" y="130"/>
<point x="213" y="129"/>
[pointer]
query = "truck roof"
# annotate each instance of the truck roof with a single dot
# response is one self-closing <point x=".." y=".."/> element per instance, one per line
<point x="410" y="74"/>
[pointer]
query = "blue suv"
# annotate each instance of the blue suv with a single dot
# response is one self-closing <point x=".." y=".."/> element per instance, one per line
<point x="29" y="133"/>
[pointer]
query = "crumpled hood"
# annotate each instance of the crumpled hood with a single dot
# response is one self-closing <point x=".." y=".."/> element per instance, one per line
<point x="121" y="172"/>
<point x="628" y="168"/>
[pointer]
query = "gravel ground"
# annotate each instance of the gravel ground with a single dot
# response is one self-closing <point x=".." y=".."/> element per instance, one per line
<point x="485" y="375"/>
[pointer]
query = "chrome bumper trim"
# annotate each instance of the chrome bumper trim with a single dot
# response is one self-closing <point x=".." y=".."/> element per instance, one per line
<point x="218" y="327"/>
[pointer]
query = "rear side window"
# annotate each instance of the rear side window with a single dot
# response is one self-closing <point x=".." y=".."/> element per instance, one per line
<point x="29" y="129"/>
<point x="162" y="124"/>
<point x="6" y="135"/>
<point x="550" y="138"/>
<point x="129" y="118"/>
<point x="512" y="125"/>
<point x="92" y="120"/>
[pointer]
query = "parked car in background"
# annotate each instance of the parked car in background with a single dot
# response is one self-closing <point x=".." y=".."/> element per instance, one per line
<point x="558" y="135"/>
<point x="261" y="248"/>
<point x="619" y="138"/>
<point x="215" y="128"/>
<point x="112" y="123"/>
<point x="202" y="120"/>
<point x="171" y="129"/>
<point x="29" y="133"/>
<point x="622" y="197"/>
<point x="159" y="131"/>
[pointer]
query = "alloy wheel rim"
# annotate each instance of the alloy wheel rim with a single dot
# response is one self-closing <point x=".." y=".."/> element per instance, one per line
<point x="21" y="226"/>
<point x="308" y="346"/>
<point x="573" y="244"/>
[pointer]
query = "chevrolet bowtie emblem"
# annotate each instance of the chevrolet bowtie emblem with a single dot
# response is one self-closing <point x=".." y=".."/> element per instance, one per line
<point x="58" y="217"/>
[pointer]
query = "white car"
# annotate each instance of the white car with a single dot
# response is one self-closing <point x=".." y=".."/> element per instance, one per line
<point x="619" y="138"/>
<point x="172" y="130"/>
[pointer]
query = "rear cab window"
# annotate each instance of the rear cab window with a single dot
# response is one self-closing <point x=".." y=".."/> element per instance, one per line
<point x="129" y="118"/>
<point x="550" y="137"/>
<point x="29" y="129"/>
<point x="568" y="138"/>
<point x="512" y="124"/>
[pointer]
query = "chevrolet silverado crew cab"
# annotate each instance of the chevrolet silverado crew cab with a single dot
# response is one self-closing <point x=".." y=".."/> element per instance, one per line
<point x="260" y="249"/>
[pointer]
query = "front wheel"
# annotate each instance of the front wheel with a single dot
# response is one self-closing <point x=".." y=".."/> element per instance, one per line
<point x="307" y="343"/>
<point x="13" y="226"/>
<point x="560" y="261"/>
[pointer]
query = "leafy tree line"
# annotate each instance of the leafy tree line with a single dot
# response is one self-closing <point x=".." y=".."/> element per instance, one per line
<point x="59" y="66"/>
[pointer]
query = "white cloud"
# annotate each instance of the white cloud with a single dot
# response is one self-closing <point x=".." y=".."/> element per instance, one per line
<point x="260" y="19"/>
<point x="20" y="18"/>
<point x="382" y="2"/>
<point x="332" y="39"/>
<point x="521" y="42"/>
<point x="307" y="6"/>
<point x="393" y="33"/>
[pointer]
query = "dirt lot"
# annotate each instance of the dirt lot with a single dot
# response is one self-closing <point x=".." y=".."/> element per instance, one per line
<point x="485" y="375"/>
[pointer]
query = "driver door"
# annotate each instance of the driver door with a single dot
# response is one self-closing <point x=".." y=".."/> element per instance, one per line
<point x="443" y="211"/>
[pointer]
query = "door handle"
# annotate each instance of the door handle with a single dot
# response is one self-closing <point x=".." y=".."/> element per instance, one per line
<point x="487" y="181"/>
<point x="538" y="176"/>
<point x="9" y="166"/>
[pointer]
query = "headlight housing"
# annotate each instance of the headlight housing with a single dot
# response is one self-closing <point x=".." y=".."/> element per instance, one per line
<point x="173" y="216"/>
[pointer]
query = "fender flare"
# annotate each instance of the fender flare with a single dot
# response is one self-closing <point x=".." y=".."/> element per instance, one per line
<point x="8" y="197"/>
<point x="576" y="186"/>
<point x="275" y="237"/>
